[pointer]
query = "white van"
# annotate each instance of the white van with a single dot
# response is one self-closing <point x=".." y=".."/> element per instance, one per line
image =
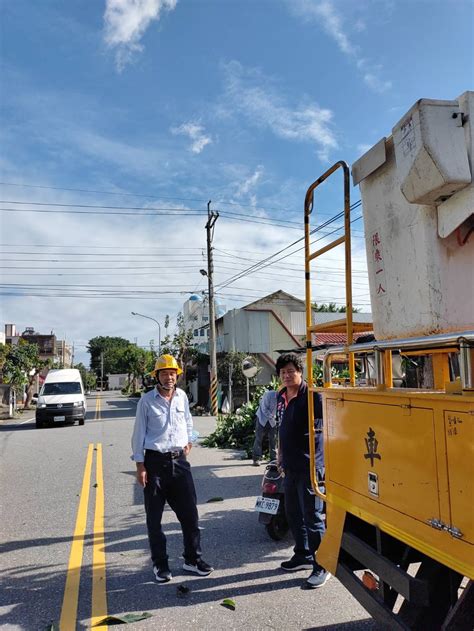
<point x="61" y="398"/>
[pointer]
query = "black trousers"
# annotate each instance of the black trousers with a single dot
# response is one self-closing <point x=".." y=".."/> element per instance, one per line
<point x="170" y="480"/>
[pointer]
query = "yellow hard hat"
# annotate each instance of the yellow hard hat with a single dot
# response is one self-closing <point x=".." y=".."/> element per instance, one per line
<point x="166" y="362"/>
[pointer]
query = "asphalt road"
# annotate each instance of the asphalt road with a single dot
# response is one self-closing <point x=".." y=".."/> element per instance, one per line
<point x="52" y="484"/>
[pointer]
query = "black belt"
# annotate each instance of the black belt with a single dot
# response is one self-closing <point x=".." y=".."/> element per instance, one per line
<point x="165" y="455"/>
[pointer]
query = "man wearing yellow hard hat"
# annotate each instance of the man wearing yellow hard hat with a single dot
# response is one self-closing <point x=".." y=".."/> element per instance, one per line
<point x="161" y="442"/>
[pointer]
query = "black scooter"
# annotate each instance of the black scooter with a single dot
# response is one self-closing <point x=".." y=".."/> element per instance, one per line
<point x="271" y="504"/>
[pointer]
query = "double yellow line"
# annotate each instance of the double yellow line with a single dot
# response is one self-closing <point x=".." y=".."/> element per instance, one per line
<point x="71" y="592"/>
<point x="98" y="416"/>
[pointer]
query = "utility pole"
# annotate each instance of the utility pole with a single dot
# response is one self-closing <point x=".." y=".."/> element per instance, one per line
<point x="72" y="356"/>
<point x="211" y="220"/>
<point x="102" y="371"/>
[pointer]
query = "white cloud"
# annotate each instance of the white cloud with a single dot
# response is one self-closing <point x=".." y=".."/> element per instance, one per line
<point x="331" y="21"/>
<point x="375" y="83"/>
<point x="250" y="182"/>
<point x="196" y="133"/>
<point x="251" y="93"/>
<point x="125" y="22"/>
<point x="325" y="13"/>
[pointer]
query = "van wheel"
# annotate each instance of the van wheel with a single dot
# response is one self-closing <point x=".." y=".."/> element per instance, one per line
<point x="39" y="424"/>
<point x="81" y="421"/>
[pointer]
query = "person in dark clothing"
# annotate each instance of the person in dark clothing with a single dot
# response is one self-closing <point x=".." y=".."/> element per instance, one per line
<point x="303" y="507"/>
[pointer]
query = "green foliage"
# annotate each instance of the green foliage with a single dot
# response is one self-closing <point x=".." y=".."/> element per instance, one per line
<point x="234" y="359"/>
<point x="336" y="374"/>
<point x="331" y="307"/>
<point x="237" y="431"/>
<point x="120" y="357"/>
<point x="112" y="349"/>
<point x="318" y="374"/>
<point x="180" y="345"/>
<point x="89" y="379"/>
<point x="20" y="365"/>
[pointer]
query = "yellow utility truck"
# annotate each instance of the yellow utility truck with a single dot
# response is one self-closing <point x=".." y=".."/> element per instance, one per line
<point x="399" y="453"/>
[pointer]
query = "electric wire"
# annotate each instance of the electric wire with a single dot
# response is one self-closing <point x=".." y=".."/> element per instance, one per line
<point x="262" y="263"/>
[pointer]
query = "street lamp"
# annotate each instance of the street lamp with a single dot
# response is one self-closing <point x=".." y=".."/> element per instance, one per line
<point x="159" y="328"/>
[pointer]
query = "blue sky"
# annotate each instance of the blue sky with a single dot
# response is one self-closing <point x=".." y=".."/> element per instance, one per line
<point x="167" y="104"/>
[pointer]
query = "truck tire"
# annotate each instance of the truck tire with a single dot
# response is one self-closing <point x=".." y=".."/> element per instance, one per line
<point x="81" y="421"/>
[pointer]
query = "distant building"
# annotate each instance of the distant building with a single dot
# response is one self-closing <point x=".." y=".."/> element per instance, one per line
<point x="261" y="327"/>
<point x="49" y="348"/>
<point x="277" y="323"/>
<point x="116" y="382"/>
<point x="196" y="319"/>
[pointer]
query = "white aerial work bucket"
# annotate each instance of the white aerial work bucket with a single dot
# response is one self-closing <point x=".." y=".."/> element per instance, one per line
<point x="418" y="205"/>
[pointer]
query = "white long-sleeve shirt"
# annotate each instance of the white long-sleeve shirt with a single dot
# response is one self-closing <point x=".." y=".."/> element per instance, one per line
<point x="161" y="424"/>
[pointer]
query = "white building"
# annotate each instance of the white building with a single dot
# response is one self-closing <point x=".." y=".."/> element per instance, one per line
<point x="196" y="318"/>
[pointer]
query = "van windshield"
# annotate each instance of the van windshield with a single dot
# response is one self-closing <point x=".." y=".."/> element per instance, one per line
<point x="64" y="387"/>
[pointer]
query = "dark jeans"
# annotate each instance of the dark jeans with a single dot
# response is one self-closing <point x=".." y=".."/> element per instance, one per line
<point x="170" y="480"/>
<point x="304" y="513"/>
<point x="260" y="433"/>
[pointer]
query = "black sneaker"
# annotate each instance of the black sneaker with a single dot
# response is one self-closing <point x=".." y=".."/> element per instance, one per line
<point x="198" y="567"/>
<point x="296" y="563"/>
<point x="317" y="578"/>
<point x="162" y="572"/>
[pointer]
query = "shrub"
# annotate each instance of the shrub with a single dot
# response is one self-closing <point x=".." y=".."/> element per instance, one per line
<point x="236" y="431"/>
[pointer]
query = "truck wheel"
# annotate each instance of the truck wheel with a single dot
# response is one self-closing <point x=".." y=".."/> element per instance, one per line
<point x="81" y="421"/>
<point x="278" y="527"/>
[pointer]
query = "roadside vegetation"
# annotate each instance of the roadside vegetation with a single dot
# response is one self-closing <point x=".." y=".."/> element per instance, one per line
<point x="20" y="366"/>
<point x="237" y="430"/>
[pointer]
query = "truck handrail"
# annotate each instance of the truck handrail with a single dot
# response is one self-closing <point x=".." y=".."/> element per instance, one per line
<point x="464" y="340"/>
<point x="310" y="328"/>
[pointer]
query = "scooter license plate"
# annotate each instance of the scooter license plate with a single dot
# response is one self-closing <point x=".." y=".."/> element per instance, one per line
<point x="267" y="505"/>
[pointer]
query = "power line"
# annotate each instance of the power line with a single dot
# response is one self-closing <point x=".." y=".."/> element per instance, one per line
<point x="173" y="211"/>
<point x="261" y="264"/>
<point x="69" y="246"/>
<point x="124" y="194"/>
<point x="277" y="223"/>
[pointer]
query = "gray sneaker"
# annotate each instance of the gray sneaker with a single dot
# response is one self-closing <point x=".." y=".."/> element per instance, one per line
<point x="162" y="572"/>
<point x="317" y="578"/>
<point x="198" y="567"/>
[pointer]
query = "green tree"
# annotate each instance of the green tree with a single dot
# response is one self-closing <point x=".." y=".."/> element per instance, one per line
<point x="112" y="350"/>
<point x="234" y="359"/>
<point x="89" y="379"/>
<point x="137" y="362"/>
<point x="180" y="345"/>
<point x="21" y="365"/>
